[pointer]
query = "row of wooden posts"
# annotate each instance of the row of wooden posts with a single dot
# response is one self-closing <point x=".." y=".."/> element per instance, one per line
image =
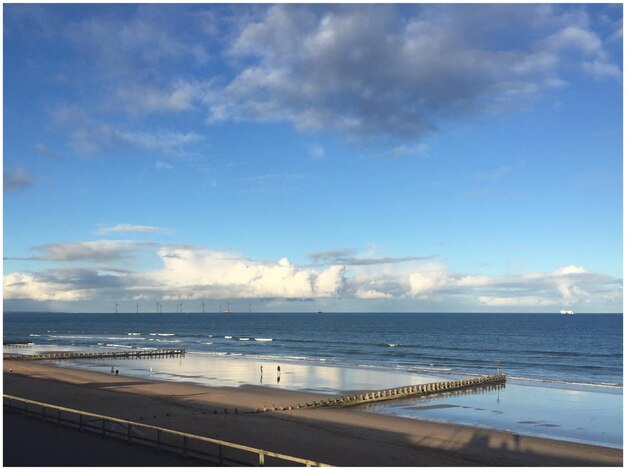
<point x="96" y="355"/>
<point x="402" y="392"/>
<point x="412" y="391"/>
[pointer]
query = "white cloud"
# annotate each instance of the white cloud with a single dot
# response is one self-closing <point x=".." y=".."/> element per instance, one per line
<point x="196" y="272"/>
<point x="132" y="228"/>
<point x="190" y="272"/>
<point x="25" y="286"/>
<point x="569" y="270"/>
<point x="144" y="99"/>
<point x="89" y="137"/>
<point x="527" y="301"/>
<point x="374" y="70"/>
<point x="369" y="294"/>
<point x="93" y="251"/>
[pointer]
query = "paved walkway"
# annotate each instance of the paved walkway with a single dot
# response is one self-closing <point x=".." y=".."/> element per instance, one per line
<point x="32" y="443"/>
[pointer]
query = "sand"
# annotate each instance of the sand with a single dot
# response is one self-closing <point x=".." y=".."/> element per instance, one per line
<point x="343" y="437"/>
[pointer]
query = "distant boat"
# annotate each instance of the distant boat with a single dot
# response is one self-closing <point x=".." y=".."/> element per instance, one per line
<point x="567" y="312"/>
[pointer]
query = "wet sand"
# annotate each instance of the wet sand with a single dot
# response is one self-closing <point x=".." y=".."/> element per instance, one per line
<point x="344" y="437"/>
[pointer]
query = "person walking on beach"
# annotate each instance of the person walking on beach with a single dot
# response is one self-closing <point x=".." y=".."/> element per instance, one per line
<point x="112" y="370"/>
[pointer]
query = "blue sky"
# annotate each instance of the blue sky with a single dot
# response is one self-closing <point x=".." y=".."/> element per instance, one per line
<point x="313" y="157"/>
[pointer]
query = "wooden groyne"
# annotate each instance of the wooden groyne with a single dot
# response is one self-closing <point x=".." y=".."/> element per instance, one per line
<point x="419" y="390"/>
<point x="412" y="391"/>
<point x="96" y="355"/>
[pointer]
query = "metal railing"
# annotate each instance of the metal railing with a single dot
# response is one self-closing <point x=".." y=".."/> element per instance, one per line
<point x="217" y="451"/>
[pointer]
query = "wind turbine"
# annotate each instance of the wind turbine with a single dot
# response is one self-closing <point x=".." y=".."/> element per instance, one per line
<point x="203" y="306"/>
<point x="137" y="308"/>
<point x="115" y="307"/>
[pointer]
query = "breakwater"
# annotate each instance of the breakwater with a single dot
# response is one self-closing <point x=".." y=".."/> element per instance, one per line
<point x="410" y="391"/>
<point x="96" y="355"/>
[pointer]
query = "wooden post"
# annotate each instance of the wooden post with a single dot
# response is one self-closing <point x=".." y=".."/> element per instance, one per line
<point x="261" y="459"/>
<point x="220" y="457"/>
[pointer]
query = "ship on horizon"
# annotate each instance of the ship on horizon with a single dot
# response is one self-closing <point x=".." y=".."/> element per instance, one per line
<point x="567" y="312"/>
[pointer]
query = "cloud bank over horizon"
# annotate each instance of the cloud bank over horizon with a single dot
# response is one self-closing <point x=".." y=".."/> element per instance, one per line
<point x="191" y="273"/>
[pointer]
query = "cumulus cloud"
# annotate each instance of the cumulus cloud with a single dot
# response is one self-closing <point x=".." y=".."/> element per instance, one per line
<point x="192" y="272"/>
<point x="63" y="285"/>
<point x="386" y="70"/>
<point x="17" y="179"/>
<point x="372" y="294"/>
<point x="566" y="286"/>
<point x="198" y="272"/>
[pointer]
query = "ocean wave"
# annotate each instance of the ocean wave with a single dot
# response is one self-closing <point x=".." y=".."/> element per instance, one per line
<point x="244" y="339"/>
<point x="71" y="337"/>
<point x="125" y="338"/>
<point x="162" y="334"/>
<point x="113" y="345"/>
<point x="263" y="339"/>
<point x="567" y="382"/>
<point x="228" y="337"/>
<point x="33" y="334"/>
<point x="133" y="334"/>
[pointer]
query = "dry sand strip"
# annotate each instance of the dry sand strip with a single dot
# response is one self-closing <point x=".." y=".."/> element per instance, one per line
<point x="343" y="437"/>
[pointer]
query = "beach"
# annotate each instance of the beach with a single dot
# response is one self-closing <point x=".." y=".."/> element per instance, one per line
<point x="343" y="437"/>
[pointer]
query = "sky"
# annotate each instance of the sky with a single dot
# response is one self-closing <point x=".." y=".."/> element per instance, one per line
<point x="390" y="158"/>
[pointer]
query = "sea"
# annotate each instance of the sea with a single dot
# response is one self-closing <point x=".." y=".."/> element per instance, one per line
<point x="564" y="372"/>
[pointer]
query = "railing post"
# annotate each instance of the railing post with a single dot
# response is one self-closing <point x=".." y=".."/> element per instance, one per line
<point x="261" y="459"/>
<point x="158" y="443"/>
<point x="220" y="457"/>
<point x="129" y="425"/>
<point x="43" y="413"/>
<point x="184" y="446"/>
